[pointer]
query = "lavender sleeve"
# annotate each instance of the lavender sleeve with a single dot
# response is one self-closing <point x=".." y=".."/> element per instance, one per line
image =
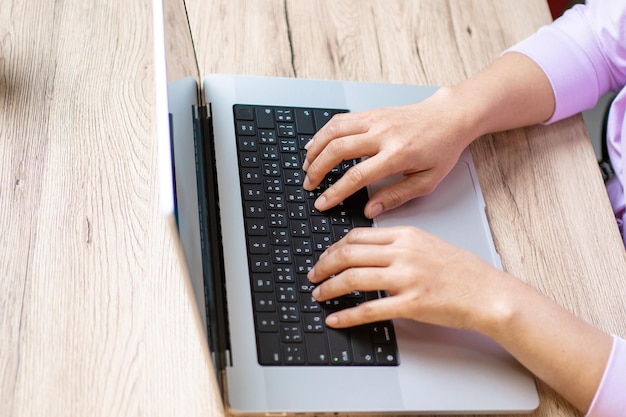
<point x="610" y="398"/>
<point x="582" y="54"/>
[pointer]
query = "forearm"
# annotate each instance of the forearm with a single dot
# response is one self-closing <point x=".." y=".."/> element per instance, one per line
<point x="567" y="353"/>
<point x="512" y="92"/>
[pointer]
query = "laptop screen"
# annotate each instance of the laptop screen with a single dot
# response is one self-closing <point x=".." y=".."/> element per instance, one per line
<point x="178" y="133"/>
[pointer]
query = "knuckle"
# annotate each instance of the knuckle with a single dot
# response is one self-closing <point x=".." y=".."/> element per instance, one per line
<point x="313" y="171"/>
<point x="395" y="198"/>
<point x="352" y="279"/>
<point x="355" y="175"/>
<point x="429" y="187"/>
<point x="343" y="253"/>
<point x="368" y="310"/>
<point x="354" y="235"/>
<point x="337" y="146"/>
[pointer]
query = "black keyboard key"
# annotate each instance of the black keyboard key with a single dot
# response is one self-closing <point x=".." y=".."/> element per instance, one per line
<point x="304" y="285"/>
<point x="267" y="137"/>
<point x="288" y="146"/>
<point x="277" y="219"/>
<point x="250" y="176"/>
<point x="252" y="192"/>
<point x="282" y="255"/>
<point x="284" y="115"/>
<point x="299" y="228"/>
<point x="244" y="113"/>
<point x="339" y="346"/>
<point x="382" y="332"/>
<point x="302" y="246"/>
<point x="321" y="117"/>
<point x="363" y="351"/>
<point x="246" y="128"/>
<point x="386" y="354"/>
<point x="304" y="121"/>
<point x="263" y="282"/>
<point x="286" y="130"/>
<point x="247" y="143"/>
<point x="258" y="245"/>
<point x="293" y="354"/>
<point x="269" y="152"/>
<point x="279" y="237"/>
<point x="260" y="264"/>
<point x="286" y="293"/>
<point x="284" y="274"/>
<point x="303" y="264"/>
<point x="320" y="224"/>
<point x="291" y="333"/>
<point x="291" y="161"/>
<point x="313" y="322"/>
<point x="269" y="349"/>
<point x="297" y="211"/>
<point x="293" y="177"/>
<point x="254" y="209"/>
<point x="264" y="302"/>
<point x="249" y="160"/>
<point x="256" y="227"/>
<point x="308" y="304"/>
<point x="316" y="348"/>
<point x="288" y="312"/>
<point x="264" y="117"/>
<point x="295" y="194"/>
<point x="267" y="323"/>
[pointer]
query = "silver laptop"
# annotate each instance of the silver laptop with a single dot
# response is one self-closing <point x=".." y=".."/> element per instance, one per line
<point x="270" y="348"/>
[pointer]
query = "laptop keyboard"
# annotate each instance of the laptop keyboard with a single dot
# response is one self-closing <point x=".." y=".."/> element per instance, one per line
<point x="285" y="236"/>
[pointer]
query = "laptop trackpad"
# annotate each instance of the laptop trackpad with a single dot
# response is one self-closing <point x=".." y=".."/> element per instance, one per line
<point x="454" y="212"/>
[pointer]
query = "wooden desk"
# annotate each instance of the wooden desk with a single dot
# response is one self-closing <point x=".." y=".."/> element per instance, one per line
<point x="95" y="314"/>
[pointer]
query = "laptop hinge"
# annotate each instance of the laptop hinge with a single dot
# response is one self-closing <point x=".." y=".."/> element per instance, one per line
<point x="211" y="236"/>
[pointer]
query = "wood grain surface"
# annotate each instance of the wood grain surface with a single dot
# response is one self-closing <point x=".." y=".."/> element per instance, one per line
<point x="96" y="315"/>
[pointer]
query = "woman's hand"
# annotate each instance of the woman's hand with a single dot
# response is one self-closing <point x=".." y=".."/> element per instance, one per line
<point x="423" y="141"/>
<point x="427" y="279"/>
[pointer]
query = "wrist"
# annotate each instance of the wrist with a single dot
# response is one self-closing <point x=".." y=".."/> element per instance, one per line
<point x="462" y="115"/>
<point x="505" y="301"/>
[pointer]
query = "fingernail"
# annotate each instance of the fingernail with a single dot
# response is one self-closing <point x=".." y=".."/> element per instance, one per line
<point x="310" y="273"/>
<point x="376" y="210"/>
<point x="320" y="203"/>
<point x="332" y="320"/>
<point x="305" y="165"/>
<point x="306" y="183"/>
<point x="306" y="146"/>
<point x="316" y="292"/>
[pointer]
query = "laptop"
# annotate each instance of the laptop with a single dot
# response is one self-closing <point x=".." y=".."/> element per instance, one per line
<point x="231" y="150"/>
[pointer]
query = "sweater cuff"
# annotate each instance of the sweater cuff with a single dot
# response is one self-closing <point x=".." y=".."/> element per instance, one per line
<point x="610" y="398"/>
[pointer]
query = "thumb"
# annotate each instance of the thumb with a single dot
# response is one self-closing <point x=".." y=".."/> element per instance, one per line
<point x="392" y="196"/>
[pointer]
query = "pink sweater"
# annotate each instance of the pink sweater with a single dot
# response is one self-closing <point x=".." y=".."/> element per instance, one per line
<point x="583" y="53"/>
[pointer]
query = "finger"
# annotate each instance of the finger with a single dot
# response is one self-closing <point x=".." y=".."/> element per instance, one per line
<point x="369" y="236"/>
<point x="386" y="308"/>
<point x="339" y="126"/>
<point x="338" y="259"/>
<point x="338" y="150"/>
<point x="354" y="279"/>
<point x="360" y="175"/>
<point x="342" y="124"/>
<point x="392" y="196"/>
